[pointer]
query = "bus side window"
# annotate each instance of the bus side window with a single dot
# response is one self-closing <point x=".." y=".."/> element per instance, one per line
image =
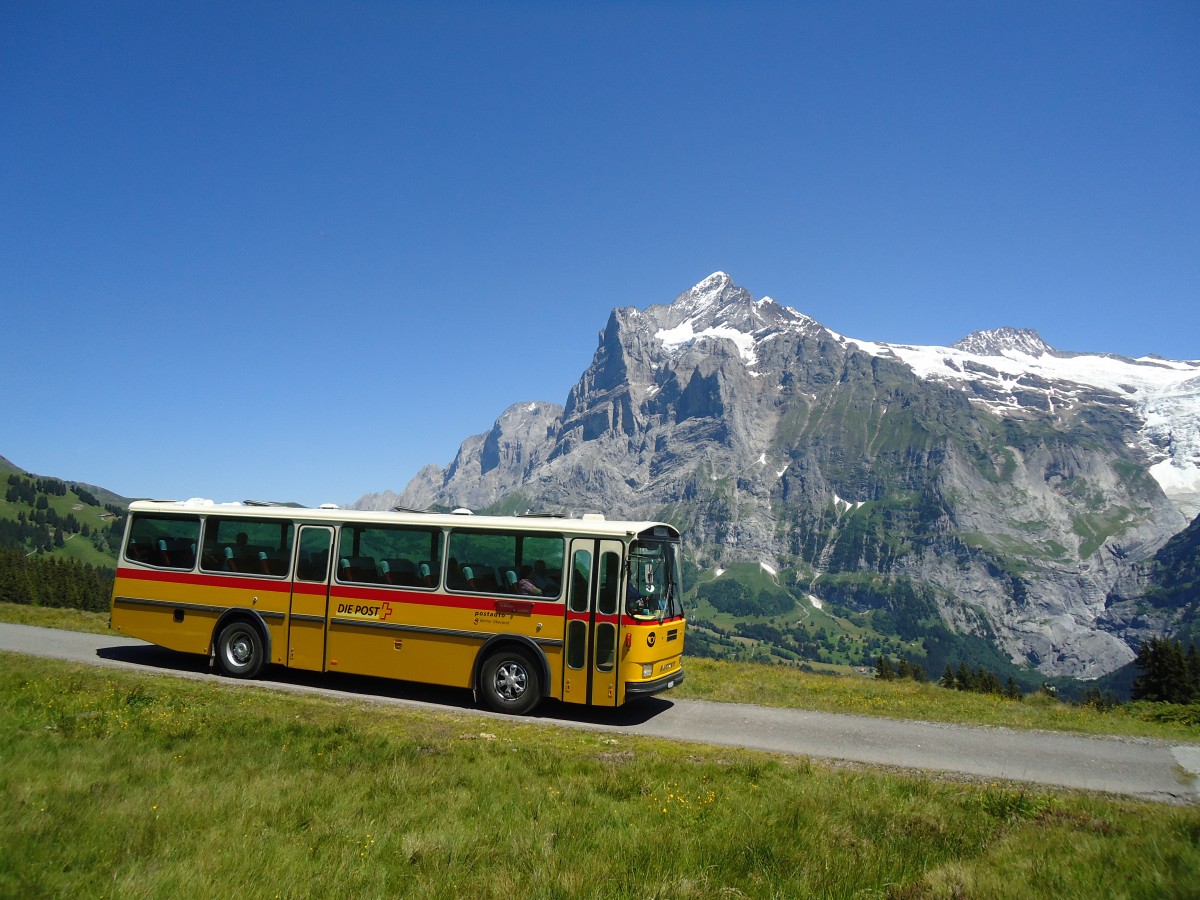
<point x="168" y="542"/>
<point x="387" y="554"/>
<point x="247" y="546"/>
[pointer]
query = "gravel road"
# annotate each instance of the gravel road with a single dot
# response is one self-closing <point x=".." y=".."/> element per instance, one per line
<point x="1148" y="769"/>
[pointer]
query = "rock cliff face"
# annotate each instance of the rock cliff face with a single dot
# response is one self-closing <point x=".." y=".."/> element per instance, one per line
<point x="1007" y="488"/>
<point x="488" y="468"/>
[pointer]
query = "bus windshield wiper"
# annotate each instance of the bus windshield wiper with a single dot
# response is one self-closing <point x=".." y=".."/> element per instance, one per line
<point x="669" y="598"/>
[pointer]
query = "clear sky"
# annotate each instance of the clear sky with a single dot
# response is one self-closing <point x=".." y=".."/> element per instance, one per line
<point x="297" y="250"/>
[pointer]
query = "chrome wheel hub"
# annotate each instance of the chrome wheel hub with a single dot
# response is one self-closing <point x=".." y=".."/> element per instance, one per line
<point x="511" y="681"/>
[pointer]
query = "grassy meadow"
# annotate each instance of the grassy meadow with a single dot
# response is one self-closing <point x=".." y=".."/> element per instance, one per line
<point x="124" y="784"/>
<point x="772" y="685"/>
<point x="55" y="617"/>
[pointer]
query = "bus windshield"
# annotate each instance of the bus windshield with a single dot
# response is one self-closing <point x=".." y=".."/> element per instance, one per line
<point x="654" y="590"/>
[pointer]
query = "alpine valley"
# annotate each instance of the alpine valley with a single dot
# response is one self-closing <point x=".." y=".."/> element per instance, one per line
<point x="998" y="490"/>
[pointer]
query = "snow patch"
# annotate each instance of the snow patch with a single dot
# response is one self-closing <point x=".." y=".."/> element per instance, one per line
<point x="684" y="333"/>
<point x="815" y="601"/>
<point x="768" y="569"/>
<point x="845" y="505"/>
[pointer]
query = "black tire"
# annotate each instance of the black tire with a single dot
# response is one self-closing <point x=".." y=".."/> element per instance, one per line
<point x="510" y="682"/>
<point x="240" y="650"/>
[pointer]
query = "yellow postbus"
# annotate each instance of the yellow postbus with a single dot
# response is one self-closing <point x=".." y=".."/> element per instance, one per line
<point x="515" y="608"/>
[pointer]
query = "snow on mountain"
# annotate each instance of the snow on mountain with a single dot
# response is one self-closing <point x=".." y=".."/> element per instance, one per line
<point x="1008" y="370"/>
<point x="1000" y="340"/>
<point x="1011" y="371"/>
<point x="716" y="308"/>
<point x="685" y="332"/>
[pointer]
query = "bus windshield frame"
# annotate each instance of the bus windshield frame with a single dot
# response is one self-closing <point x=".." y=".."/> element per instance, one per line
<point x="654" y="590"/>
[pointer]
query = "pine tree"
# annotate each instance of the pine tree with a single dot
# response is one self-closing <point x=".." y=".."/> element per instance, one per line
<point x="1165" y="673"/>
<point x="947" y="679"/>
<point x="1142" y="687"/>
<point x="962" y="679"/>
<point x="883" y="669"/>
<point x="1178" y="676"/>
<point x="1193" y="664"/>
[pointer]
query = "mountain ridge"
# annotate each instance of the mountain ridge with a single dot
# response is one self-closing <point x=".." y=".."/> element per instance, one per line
<point x="1008" y="495"/>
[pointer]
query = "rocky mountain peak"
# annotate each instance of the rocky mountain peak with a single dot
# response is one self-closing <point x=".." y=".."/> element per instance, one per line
<point x="1000" y="487"/>
<point x="1002" y="341"/>
<point x="718" y="308"/>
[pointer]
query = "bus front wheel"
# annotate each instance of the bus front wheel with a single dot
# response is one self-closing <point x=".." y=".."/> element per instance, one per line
<point x="240" y="652"/>
<point x="510" y="683"/>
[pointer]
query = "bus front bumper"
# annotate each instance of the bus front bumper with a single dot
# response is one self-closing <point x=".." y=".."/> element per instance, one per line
<point x="650" y="688"/>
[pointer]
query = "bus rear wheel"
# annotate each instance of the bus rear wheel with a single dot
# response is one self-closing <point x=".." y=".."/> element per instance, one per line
<point x="510" y="682"/>
<point x="240" y="652"/>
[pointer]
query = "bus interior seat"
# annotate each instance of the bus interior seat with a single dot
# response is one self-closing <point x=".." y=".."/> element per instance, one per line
<point x="398" y="571"/>
<point x="358" y="568"/>
<point x="273" y="563"/>
<point x="482" y="577"/>
<point x="313" y="566"/>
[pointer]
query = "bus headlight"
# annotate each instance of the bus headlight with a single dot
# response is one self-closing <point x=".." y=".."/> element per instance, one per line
<point x="648" y="670"/>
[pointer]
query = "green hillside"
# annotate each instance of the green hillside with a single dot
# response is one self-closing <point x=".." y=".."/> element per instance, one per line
<point x="58" y="540"/>
<point x="59" y="520"/>
<point x="748" y="613"/>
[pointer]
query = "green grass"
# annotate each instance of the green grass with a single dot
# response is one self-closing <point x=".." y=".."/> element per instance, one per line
<point x="781" y="686"/>
<point x="1096" y="528"/>
<point x="123" y="784"/>
<point x="55" y="617"/>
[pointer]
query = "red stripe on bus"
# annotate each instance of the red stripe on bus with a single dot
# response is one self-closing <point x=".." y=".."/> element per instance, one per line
<point x="347" y="592"/>
<point x="449" y="601"/>
<point x="219" y="581"/>
<point x="307" y="587"/>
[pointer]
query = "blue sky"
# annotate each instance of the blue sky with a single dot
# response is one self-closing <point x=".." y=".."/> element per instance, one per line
<point x="298" y="250"/>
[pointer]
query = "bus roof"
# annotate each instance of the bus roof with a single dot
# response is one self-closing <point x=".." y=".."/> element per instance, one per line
<point x="591" y="524"/>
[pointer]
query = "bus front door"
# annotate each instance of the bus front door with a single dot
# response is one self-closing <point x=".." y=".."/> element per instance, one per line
<point x="593" y="622"/>
<point x="307" y="621"/>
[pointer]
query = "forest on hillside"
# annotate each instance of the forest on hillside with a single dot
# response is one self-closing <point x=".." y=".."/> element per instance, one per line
<point x="39" y="518"/>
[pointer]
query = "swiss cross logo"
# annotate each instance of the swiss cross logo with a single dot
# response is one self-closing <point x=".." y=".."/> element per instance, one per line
<point x="387" y="610"/>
